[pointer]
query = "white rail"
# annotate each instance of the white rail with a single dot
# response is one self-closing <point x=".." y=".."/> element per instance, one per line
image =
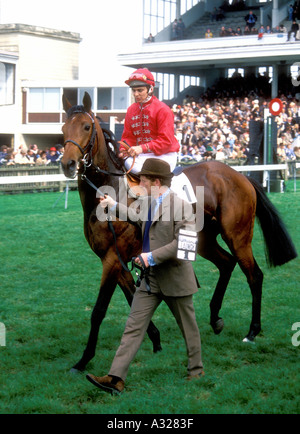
<point x="4" y="180"/>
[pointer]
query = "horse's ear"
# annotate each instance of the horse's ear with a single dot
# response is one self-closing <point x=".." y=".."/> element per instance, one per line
<point x="87" y="102"/>
<point x="66" y="103"/>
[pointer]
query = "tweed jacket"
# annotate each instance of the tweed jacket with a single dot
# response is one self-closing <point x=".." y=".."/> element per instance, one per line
<point x="175" y="277"/>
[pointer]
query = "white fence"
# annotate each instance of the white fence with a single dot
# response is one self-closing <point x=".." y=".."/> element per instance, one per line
<point x="10" y="180"/>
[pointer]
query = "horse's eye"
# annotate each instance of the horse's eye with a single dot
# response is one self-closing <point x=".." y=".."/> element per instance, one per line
<point x="87" y="127"/>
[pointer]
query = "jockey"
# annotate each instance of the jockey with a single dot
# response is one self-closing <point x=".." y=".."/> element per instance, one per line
<point x="149" y="125"/>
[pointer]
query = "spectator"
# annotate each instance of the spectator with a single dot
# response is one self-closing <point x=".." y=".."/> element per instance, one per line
<point x="282" y="28"/>
<point x="31" y="156"/>
<point x="291" y="12"/>
<point x="238" y="32"/>
<point x="281" y="155"/>
<point x="174" y="30"/>
<point x="11" y="158"/>
<point x="247" y="30"/>
<point x="297" y="153"/>
<point x="289" y="152"/>
<point x="208" y="34"/>
<point x="53" y="156"/>
<point x="220" y="156"/>
<point x="180" y="29"/>
<point x="150" y="38"/>
<point x="21" y="156"/>
<point x="42" y="159"/>
<point x="268" y="30"/>
<point x="293" y="30"/>
<point x="251" y="19"/>
<point x="3" y="155"/>
<point x="223" y="32"/>
<point x="230" y="32"/>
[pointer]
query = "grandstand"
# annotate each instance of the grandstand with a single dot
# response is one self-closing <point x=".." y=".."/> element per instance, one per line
<point x="232" y="19"/>
<point x="198" y="62"/>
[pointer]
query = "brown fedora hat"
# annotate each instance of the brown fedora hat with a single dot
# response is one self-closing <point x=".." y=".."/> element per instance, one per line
<point x="156" y="167"/>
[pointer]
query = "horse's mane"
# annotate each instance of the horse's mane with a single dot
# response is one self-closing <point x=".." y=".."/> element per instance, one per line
<point x="112" y="147"/>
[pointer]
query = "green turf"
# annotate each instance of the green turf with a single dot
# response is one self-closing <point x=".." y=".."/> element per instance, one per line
<point x="49" y="284"/>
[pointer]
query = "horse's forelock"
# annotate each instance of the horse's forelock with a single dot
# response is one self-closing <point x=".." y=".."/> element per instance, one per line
<point x="75" y="109"/>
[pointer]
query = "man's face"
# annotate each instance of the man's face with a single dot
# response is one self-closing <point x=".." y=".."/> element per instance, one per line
<point x="152" y="187"/>
<point x="140" y="93"/>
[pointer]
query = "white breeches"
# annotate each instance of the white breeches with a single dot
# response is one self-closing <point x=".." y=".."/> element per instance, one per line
<point x="170" y="158"/>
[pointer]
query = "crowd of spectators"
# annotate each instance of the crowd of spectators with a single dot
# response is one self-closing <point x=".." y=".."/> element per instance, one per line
<point x="31" y="156"/>
<point x="218" y="128"/>
<point x="214" y="126"/>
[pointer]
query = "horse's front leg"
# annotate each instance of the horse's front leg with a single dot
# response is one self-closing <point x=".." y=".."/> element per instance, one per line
<point x="107" y="287"/>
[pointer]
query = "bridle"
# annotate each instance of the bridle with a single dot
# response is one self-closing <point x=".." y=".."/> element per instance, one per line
<point x="90" y="145"/>
<point x="87" y="151"/>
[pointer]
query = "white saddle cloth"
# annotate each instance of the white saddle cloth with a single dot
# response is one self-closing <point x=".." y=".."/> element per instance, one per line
<point x="183" y="188"/>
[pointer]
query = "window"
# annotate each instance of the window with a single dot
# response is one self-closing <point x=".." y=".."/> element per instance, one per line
<point x="158" y="14"/>
<point x="7" y="83"/>
<point x="120" y="98"/>
<point x="266" y="72"/>
<point x="104" y="98"/>
<point x="235" y="71"/>
<point x="115" y="98"/>
<point x="44" y="100"/>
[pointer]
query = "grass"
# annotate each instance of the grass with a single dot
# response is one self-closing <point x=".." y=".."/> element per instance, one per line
<point x="49" y="284"/>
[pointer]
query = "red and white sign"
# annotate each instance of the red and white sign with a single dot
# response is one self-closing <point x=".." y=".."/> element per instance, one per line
<point x="276" y="106"/>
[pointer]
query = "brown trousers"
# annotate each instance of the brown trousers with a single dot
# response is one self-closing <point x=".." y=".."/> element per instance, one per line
<point x="142" y="310"/>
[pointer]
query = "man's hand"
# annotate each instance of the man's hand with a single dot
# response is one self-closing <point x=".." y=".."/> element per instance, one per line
<point x="107" y="201"/>
<point x="145" y="259"/>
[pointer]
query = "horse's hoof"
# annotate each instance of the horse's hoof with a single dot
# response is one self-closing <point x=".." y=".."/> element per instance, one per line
<point x="157" y="349"/>
<point x="248" y="341"/>
<point x="75" y="371"/>
<point x="218" y="326"/>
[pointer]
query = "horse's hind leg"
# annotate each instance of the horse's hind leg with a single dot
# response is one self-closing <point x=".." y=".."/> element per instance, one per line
<point x="240" y="246"/>
<point x="255" y="280"/>
<point x="127" y="285"/>
<point x="209" y="249"/>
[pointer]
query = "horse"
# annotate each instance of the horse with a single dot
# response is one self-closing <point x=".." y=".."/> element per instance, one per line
<point x="232" y="201"/>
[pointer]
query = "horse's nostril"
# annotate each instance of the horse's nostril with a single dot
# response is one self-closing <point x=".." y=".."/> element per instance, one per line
<point x="71" y="165"/>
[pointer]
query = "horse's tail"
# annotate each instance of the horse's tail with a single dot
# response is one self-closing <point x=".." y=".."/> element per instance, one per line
<point x="278" y="244"/>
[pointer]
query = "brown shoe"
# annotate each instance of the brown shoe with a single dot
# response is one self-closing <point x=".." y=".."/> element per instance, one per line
<point x="107" y="383"/>
<point x="195" y="377"/>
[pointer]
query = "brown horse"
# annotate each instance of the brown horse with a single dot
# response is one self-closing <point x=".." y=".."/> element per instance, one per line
<point x="231" y="203"/>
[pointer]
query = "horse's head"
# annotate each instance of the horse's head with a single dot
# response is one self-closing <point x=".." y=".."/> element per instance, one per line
<point x="79" y="134"/>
